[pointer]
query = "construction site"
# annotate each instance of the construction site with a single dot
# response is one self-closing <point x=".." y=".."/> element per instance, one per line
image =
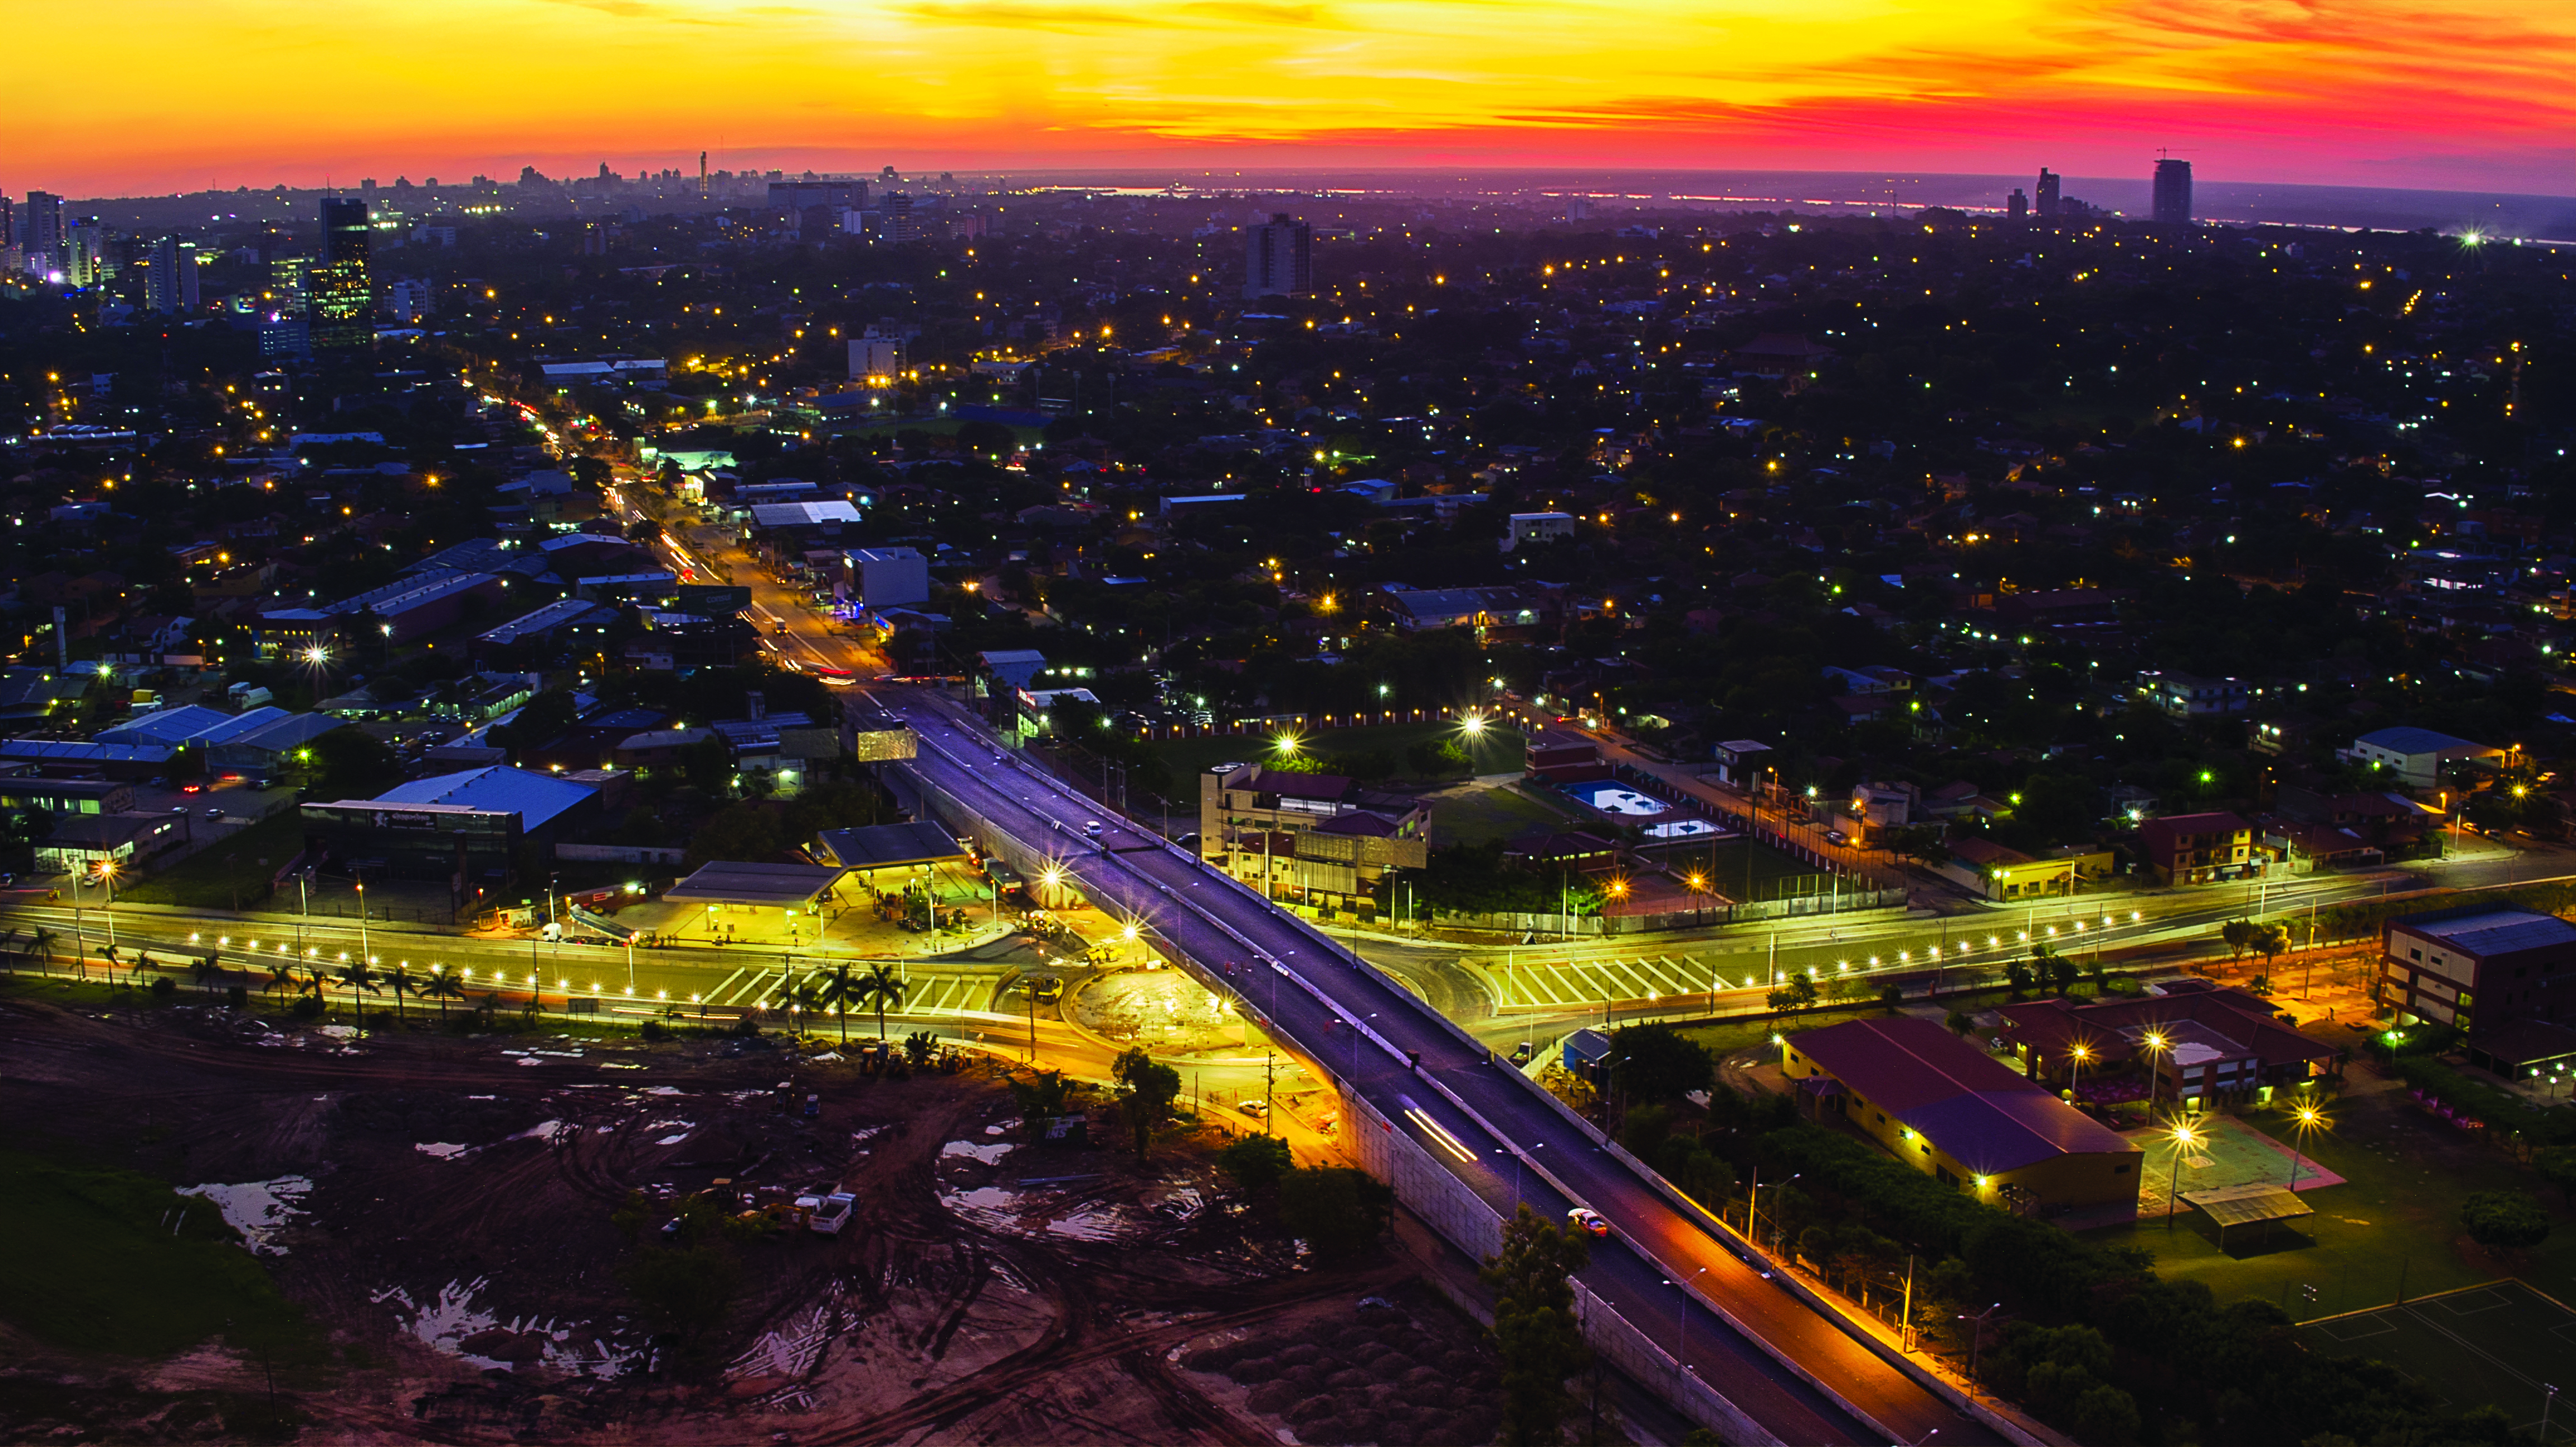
<point x="246" y="1227"/>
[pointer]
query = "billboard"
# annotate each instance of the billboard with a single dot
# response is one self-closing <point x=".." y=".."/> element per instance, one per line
<point x="712" y="600"/>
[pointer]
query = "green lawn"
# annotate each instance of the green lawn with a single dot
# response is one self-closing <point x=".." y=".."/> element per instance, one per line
<point x="104" y="1261"/>
<point x="228" y="874"/>
<point x="1484" y="815"/>
<point x="1498" y="750"/>
<point x="2489" y="1345"/>
<point x="2395" y="1220"/>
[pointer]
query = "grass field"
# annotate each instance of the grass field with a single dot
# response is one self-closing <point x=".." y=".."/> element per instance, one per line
<point x="104" y="1261"/>
<point x="1498" y="750"/>
<point x="228" y="874"/>
<point x="1483" y="815"/>
<point x="2392" y="1227"/>
<point x="2497" y="1344"/>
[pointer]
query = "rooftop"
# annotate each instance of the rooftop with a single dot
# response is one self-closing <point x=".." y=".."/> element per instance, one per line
<point x="1967" y="1102"/>
<point x="536" y="798"/>
<point x="2479" y="931"/>
<point x="738" y="882"/>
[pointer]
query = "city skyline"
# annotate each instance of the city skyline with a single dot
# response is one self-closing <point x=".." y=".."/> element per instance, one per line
<point x="2458" y="96"/>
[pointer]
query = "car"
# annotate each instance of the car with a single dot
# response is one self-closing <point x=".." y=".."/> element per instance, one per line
<point x="1255" y="1108"/>
<point x="1836" y="836"/>
<point x="1091" y="827"/>
<point x="1587" y="1221"/>
<point x="215" y="813"/>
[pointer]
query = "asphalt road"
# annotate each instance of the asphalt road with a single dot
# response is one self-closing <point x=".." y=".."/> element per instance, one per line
<point x="1269" y="958"/>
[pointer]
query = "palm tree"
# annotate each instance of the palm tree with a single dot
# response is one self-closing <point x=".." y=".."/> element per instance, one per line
<point x="41" y="945"/>
<point x="357" y="977"/>
<point x="840" y="991"/>
<point x="398" y="979"/>
<point x="207" y="970"/>
<point x="281" y="975"/>
<point x="885" y="987"/>
<point x="443" y="987"/>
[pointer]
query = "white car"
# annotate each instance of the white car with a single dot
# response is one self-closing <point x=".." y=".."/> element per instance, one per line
<point x="1587" y="1221"/>
<point x="1255" y="1108"/>
<point x="1091" y="827"/>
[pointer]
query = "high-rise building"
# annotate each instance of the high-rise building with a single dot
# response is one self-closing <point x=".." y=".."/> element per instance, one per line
<point x="336" y="290"/>
<point x="2047" y="194"/>
<point x="2019" y="207"/>
<point x="1278" y="258"/>
<point x="89" y="253"/>
<point x="170" y="276"/>
<point x="40" y="232"/>
<point x="2173" y="193"/>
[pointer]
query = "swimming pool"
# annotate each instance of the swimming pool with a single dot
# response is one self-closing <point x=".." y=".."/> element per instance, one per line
<point x="1619" y="799"/>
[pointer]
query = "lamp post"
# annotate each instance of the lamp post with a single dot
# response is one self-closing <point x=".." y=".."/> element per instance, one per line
<point x="2184" y="1138"/>
<point x="1977" y="1340"/>
<point x="2154" y="1040"/>
<point x="1681" y="1316"/>
<point x="363" y="951"/>
<point x="2305" y="1119"/>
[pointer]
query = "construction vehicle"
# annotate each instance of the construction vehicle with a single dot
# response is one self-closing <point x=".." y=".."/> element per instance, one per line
<point x="827" y="1214"/>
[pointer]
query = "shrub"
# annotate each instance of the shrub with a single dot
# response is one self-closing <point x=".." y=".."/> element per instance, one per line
<point x="306" y="1007"/>
<point x="238" y="997"/>
<point x="2510" y="1220"/>
<point x="163" y="987"/>
<point x="653" y="1031"/>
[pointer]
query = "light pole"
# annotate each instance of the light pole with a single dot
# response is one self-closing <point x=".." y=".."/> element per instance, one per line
<point x="2184" y="1137"/>
<point x="2305" y="1119"/>
<point x="364" y="953"/>
<point x="1976" y="1341"/>
<point x="2154" y="1040"/>
<point x="107" y="876"/>
<point x="1681" y="1316"/>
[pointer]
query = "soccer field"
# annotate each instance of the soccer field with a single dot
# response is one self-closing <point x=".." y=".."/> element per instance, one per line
<point x="2498" y="1343"/>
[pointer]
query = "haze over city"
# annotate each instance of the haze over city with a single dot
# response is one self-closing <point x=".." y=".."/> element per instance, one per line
<point x="1377" y="723"/>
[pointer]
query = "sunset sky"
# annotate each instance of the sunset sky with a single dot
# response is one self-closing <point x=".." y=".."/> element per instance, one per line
<point x="2448" y="94"/>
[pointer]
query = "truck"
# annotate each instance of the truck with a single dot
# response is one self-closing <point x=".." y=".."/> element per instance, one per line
<point x="828" y="1214"/>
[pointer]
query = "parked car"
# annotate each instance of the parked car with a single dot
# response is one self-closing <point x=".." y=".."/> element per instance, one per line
<point x="1255" y="1108"/>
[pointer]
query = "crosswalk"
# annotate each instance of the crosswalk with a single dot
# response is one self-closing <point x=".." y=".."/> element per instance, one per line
<point x="1538" y="984"/>
<point x="932" y="992"/>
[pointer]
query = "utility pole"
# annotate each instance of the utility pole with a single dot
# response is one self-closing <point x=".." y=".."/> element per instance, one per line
<point x="1269" y="1083"/>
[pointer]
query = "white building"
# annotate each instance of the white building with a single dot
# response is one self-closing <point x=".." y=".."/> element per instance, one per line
<point x="2417" y="756"/>
<point x="889" y="577"/>
<point x="1538" y="527"/>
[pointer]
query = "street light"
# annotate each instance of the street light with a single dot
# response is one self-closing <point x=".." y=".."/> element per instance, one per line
<point x="2154" y="1040"/>
<point x="1681" y="1335"/>
<point x="2184" y="1138"/>
<point x="2304" y="1119"/>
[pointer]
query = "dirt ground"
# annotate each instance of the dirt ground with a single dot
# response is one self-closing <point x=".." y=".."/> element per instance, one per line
<point x="440" y="1207"/>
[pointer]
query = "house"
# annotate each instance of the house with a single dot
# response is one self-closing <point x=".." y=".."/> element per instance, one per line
<point x="1998" y="872"/>
<point x="2198" y="848"/>
<point x="2417" y="756"/>
<point x="2189" y="695"/>
<point x="2204" y="1045"/>
<point x="1562" y="756"/>
<point x="1415" y="609"/>
<point x="2478" y="967"/>
<point x="1740" y="761"/>
<point x="1953" y="1112"/>
<point x="1537" y="527"/>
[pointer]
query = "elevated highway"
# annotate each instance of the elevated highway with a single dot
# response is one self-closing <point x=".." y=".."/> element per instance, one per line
<point x="1792" y="1372"/>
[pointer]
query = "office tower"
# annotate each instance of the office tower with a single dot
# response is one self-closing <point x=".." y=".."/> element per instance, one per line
<point x="170" y="276"/>
<point x="2047" y="195"/>
<point x="2019" y="207"/>
<point x="2173" y="193"/>
<point x="1278" y="258"/>
<point x="1579" y="209"/>
<point x="89" y="255"/>
<point x="40" y="232"/>
<point x="8" y="225"/>
<point x="335" y="287"/>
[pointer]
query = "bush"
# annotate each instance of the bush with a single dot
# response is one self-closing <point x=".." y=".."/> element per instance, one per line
<point x="2501" y="1109"/>
<point x="163" y="987"/>
<point x="1337" y="1211"/>
<point x="2507" y="1220"/>
<point x="306" y="1007"/>
<point x="653" y="1031"/>
<point x="238" y="997"/>
<point x="1256" y="1162"/>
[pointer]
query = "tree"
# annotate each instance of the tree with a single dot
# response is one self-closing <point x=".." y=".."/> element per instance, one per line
<point x="883" y="986"/>
<point x="207" y="970"/>
<point x="837" y="991"/>
<point x="357" y="977"/>
<point x="1961" y="1022"/>
<point x="1797" y="993"/>
<point x="2057" y="969"/>
<point x="1146" y="1090"/>
<point x="918" y="1047"/>
<point x="2504" y="1220"/>
<point x="2557" y="1166"/>
<point x="398" y="979"/>
<point x="1337" y="1211"/>
<point x="443" y="987"/>
<point x="1256" y="1162"/>
<point x="2269" y="940"/>
<point x="350" y="763"/>
<point x="1534" y="1330"/>
<point x="2239" y="935"/>
<point x="1656" y="1062"/>
<point x="1044" y="1096"/>
<point x="686" y="1287"/>
<point x="281" y="976"/>
<point x="539" y="721"/>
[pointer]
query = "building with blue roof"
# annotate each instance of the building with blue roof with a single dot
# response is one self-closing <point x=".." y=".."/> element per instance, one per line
<point x="1953" y="1112"/>
<point x="476" y="827"/>
<point x="2418" y="756"/>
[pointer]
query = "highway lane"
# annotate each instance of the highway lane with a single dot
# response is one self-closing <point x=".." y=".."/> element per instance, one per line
<point x="1360" y="1026"/>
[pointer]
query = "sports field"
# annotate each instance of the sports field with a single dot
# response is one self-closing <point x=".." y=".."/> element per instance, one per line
<point x="2498" y="1343"/>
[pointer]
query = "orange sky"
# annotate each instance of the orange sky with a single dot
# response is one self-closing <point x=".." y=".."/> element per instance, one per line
<point x="2465" y="94"/>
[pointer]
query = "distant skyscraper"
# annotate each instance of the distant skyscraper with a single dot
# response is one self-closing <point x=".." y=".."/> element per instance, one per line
<point x="336" y="287"/>
<point x="40" y="231"/>
<point x="2047" y="194"/>
<point x="2173" y="193"/>
<point x="2019" y="207"/>
<point x="170" y="276"/>
<point x="1278" y="258"/>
